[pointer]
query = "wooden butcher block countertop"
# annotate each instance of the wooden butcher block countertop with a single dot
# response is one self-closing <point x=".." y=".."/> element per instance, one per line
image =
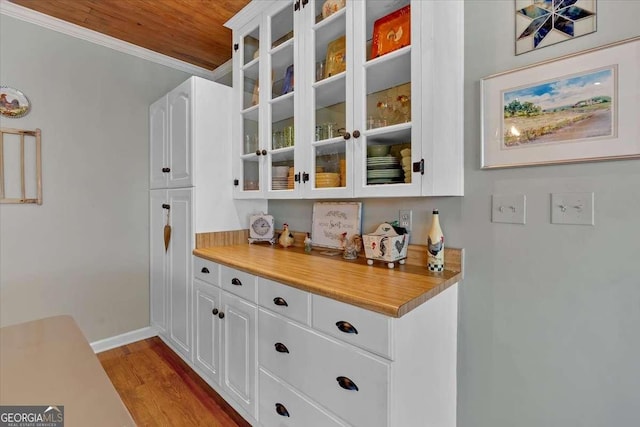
<point x="49" y="362"/>
<point x="392" y="292"/>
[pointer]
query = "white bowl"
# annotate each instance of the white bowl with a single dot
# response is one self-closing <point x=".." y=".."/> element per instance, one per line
<point x="280" y="171"/>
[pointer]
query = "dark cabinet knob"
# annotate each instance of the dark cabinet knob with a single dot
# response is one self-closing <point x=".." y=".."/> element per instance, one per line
<point x="305" y="177"/>
<point x="281" y="410"/>
<point x="296" y="5"/>
<point x="346" y="135"/>
<point x="280" y="301"/>
<point x="264" y="152"/>
<point x="204" y="270"/>
<point x="258" y="152"/>
<point x="356" y="133"/>
<point x="346" y="327"/>
<point x="214" y="311"/>
<point x="304" y="2"/>
<point x="221" y="315"/>
<point x="166" y="170"/>
<point x="347" y="384"/>
<point x="235" y="281"/>
<point x="281" y="348"/>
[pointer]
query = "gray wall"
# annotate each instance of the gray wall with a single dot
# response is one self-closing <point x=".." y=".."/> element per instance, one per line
<point x="549" y="314"/>
<point x="85" y="251"/>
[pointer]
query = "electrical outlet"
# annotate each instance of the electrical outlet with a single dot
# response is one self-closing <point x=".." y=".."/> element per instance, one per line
<point x="404" y="218"/>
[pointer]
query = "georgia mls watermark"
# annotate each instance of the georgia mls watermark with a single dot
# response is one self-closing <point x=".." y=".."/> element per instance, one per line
<point x="31" y="416"/>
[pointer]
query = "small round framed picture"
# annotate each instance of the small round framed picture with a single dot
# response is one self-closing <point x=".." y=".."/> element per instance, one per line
<point x="13" y="103"/>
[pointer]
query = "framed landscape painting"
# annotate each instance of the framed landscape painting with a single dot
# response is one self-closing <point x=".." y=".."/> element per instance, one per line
<point x="582" y="107"/>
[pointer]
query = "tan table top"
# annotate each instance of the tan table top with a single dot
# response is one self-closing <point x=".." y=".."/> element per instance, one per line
<point x="49" y="362"/>
<point x="393" y="292"/>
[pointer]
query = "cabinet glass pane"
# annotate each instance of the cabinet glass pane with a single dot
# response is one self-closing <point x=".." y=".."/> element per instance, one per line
<point x="387" y="26"/>
<point x="388" y="159"/>
<point x="251" y="174"/>
<point x="330" y="165"/>
<point x="389" y="107"/>
<point x="251" y="44"/>
<point x="282" y="170"/>
<point x="281" y="52"/>
<point x="251" y="141"/>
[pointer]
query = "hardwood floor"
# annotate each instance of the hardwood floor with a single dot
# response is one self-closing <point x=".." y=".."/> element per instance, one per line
<point x="159" y="389"/>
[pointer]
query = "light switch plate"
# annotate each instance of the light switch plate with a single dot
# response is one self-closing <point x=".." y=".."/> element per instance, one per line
<point x="572" y="208"/>
<point x="508" y="208"/>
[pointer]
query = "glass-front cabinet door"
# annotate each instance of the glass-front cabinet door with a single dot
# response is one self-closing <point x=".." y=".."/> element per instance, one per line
<point x="328" y="99"/>
<point x="386" y="98"/>
<point x="282" y="123"/>
<point x="247" y="140"/>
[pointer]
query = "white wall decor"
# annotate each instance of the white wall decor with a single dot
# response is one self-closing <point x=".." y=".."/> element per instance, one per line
<point x="541" y="23"/>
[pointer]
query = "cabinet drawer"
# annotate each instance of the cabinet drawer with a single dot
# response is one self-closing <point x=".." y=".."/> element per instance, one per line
<point x="281" y="406"/>
<point x="357" y="326"/>
<point x="239" y="283"/>
<point x="290" y="302"/>
<point x="207" y="271"/>
<point x="324" y="368"/>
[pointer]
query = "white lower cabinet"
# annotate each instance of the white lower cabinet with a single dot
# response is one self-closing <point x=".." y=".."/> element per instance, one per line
<point x="298" y="359"/>
<point x="225" y="344"/>
<point x="280" y="405"/>
<point x="351" y="383"/>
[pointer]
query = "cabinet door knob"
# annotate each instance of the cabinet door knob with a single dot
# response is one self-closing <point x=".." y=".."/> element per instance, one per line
<point x="204" y="270"/>
<point x="305" y="177"/>
<point x="346" y="383"/>
<point x="166" y="170"/>
<point x="280" y="301"/>
<point x="304" y="2"/>
<point x="346" y="327"/>
<point x="214" y="311"/>
<point x="264" y="152"/>
<point x="346" y="135"/>
<point x="221" y="315"/>
<point x="235" y="281"/>
<point x="281" y="410"/>
<point x="258" y="152"/>
<point x="281" y="348"/>
<point x="356" y="133"/>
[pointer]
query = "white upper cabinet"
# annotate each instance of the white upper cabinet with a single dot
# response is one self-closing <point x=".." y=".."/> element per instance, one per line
<point x="363" y="101"/>
<point x="171" y="140"/>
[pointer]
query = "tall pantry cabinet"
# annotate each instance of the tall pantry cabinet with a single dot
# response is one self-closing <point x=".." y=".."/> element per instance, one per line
<point x="189" y="162"/>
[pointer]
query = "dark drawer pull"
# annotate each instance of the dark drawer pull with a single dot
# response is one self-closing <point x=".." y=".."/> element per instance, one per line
<point x="281" y="348"/>
<point x="221" y="315"/>
<point x="204" y="270"/>
<point x="236" y="281"/>
<point x="166" y="170"/>
<point x="346" y="383"/>
<point x="281" y="410"/>
<point x="280" y="301"/>
<point x="346" y="327"/>
<point x="214" y="311"/>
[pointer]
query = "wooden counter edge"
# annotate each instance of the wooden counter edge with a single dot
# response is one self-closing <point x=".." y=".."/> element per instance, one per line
<point x="382" y="308"/>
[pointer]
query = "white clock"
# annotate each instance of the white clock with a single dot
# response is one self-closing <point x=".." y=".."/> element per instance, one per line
<point x="261" y="228"/>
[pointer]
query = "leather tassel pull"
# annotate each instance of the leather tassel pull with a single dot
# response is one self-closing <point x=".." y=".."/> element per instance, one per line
<point x="167" y="234"/>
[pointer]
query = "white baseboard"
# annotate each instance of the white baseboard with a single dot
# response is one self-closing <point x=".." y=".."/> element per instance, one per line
<point x="123" y="339"/>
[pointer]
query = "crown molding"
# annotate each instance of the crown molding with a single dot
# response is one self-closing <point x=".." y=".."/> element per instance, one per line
<point x="55" y="24"/>
<point x="250" y="11"/>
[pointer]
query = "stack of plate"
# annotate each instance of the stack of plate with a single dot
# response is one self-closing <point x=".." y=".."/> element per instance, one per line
<point x="384" y="170"/>
<point x="327" y="179"/>
<point x="290" y="179"/>
<point x="406" y="164"/>
<point x="279" y="183"/>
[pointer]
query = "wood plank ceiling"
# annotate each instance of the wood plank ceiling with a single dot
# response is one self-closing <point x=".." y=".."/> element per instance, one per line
<point x="189" y="30"/>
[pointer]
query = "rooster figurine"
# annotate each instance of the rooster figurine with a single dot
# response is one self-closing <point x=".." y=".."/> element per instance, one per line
<point x="286" y="238"/>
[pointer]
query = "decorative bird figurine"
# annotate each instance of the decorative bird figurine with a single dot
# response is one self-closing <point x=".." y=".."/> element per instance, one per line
<point x="434" y="248"/>
<point x="286" y="238"/>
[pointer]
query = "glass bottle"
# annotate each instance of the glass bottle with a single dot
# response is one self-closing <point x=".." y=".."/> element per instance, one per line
<point x="435" y="245"/>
